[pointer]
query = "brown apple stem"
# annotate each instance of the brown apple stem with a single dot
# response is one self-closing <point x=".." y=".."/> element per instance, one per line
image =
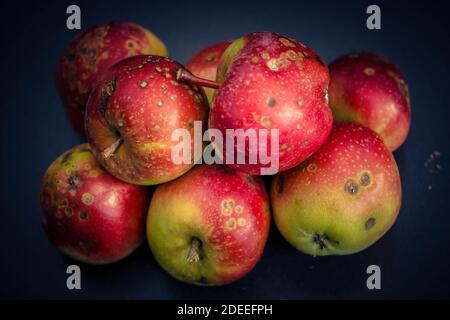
<point x="185" y="76"/>
<point x="108" y="152"/>
<point x="194" y="251"/>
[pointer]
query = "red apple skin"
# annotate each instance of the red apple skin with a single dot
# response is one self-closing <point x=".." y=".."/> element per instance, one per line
<point x="88" y="214"/>
<point x="90" y="54"/>
<point x="273" y="82"/>
<point x="204" y="64"/>
<point x="227" y="210"/>
<point x="371" y="90"/>
<point x="139" y="100"/>
<point x="343" y="198"/>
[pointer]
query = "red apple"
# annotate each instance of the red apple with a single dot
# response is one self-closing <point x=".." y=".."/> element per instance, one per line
<point x="88" y="214"/>
<point x="92" y="52"/>
<point x="269" y="81"/>
<point x="132" y="113"/>
<point x="343" y="198"/>
<point x="209" y="227"/>
<point x="204" y="64"/>
<point x="371" y="90"/>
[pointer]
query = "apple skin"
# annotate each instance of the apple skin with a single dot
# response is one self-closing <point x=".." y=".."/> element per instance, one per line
<point x="139" y="101"/>
<point x="90" y="54"/>
<point x="88" y="214"/>
<point x="371" y="90"/>
<point x="343" y="198"/>
<point x="270" y="81"/>
<point x="224" y="210"/>
<point x="204" y="64"/>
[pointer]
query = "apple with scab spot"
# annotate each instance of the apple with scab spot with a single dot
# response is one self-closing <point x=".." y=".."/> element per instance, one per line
<point x="210" y="226"/>
<point x="269" y="81"/>
<point x="343" y="198"/>
<point x="91" y="53"/>
<point x="132" y="113"/>
<point x="371" y="90"/>
<point x="88" y="214"/>
<point x="204" y="64"/>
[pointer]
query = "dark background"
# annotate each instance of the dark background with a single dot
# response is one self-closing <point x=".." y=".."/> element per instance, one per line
<point x="414" y="255"/>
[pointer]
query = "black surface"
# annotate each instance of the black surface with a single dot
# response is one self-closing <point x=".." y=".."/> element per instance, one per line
<point x="413" y="256"/>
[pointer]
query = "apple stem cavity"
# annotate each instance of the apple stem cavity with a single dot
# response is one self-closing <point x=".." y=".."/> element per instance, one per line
<point x="194" y="251"/>
<point x="108" y="152"/>
<point x="185" y="76"/>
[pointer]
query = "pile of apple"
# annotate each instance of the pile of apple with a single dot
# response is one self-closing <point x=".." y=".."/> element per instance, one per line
<point x="338" y="188"/>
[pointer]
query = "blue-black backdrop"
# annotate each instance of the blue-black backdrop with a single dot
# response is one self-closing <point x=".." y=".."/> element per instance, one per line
<point x="413" y="256"/>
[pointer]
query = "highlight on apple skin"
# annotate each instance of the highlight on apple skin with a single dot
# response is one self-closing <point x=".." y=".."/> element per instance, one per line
<point x="90" y="54"/>
<point x="343" y="198"/>
<point x="371" y="90"/>
<point x="204" y="64"/>
<point x="210" y="226"/>
<point x="132" y="113"/>
<point x="88" y="214"/>
<point x="270" y="81"/>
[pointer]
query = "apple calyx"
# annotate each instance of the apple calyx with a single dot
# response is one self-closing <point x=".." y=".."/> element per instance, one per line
<point x="194" y="253"/>
<point x="108" y="152"/>
<point x="185" y="76"/>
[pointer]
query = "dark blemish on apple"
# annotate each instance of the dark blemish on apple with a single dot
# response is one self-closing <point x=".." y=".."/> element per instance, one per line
<point x="271" y="102"/>
<point x="306" y="55"/>
<point x="351" y="187"/>
<point x="66" y="157"/>
<point x="107" y="92"/>
<point x="370" y="223"/>
<point x="73" y="181"/>
<point x="320" y="61"/>
<point x="365" y="179"/>
<point x="130" y="44"/>
<point x="312" y="167"/>
<point x="83" y="215"/>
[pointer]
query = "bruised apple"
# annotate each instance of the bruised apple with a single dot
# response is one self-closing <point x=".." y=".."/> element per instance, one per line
<point x="371" y="90"/>
<point x="88" y="214"/>
<point x="132" y="114"/>
<point x="91" y="53"/>
<point x="210" y="226"/>
<point x="343" y="198"/>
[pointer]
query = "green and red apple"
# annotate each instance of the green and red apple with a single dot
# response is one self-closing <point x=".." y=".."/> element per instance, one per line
<point x="210" y="226"/>
<point x="371" y="90"/>
<point x="132" y="113"/>
<point x="91" y="53"/>
<point x="343" y="198"/>
<point x="88" y="214"/>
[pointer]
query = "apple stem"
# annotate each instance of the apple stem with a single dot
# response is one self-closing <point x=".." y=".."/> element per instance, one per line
<point x="108" y="152"/>
<point x="194" y="251"/>
<point x="185" y="76"/>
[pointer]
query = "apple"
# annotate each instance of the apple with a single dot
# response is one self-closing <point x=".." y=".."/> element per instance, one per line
<point x="132" y="114"/>
<point x="210" y="226"/>
<point x="88" y="214"/>
<point x="204" y="64"/>
<point x="269" y="81"/>
<point x="90" y="54"/>
<point x="371" y="90"/>
<point x="343" y="198"/>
